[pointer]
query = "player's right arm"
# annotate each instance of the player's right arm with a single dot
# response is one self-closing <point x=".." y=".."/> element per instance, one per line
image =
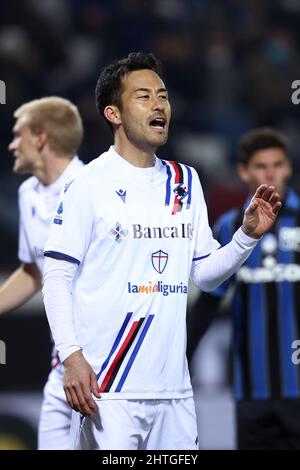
<point x="79" y="378"/>
<point x="65" y="250"/>
<point x="21" y="285"/>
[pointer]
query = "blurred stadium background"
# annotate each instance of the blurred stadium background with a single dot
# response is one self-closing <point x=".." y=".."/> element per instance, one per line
<point x="229" y="66"/>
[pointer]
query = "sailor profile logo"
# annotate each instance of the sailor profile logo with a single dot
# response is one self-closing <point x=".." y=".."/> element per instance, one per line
<point x="181" y="192"/>
<point x="159" y="261"/>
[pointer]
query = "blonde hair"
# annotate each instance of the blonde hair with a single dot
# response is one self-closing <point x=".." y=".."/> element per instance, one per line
<point x="58" y="118"/>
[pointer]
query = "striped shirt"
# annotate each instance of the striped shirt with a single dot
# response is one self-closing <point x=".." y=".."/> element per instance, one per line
<point x="266" y="306"/>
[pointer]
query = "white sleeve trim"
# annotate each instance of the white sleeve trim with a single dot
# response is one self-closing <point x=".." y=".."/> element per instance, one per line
<point x="57" y="293"/>
<point x="208" y="273"/>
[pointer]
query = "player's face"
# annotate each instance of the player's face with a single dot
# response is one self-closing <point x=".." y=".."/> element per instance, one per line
<point x="270" y="166"/>
<point x="145" y="110"/>
<point x="24" y="147"/>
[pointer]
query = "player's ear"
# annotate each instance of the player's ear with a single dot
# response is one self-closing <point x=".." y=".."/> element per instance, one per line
<point x="112" y="114"/>
<point x="242" y="171"/>
<point x="42" y="139"/>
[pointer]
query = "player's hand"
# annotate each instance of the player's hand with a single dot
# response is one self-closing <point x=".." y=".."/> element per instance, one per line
<point x="262" y="211"/>
<point x="80" y="382"/>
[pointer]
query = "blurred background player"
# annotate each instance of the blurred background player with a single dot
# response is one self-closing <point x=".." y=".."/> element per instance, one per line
<point x="47" y="135"/>
<point x="265" y="305"/>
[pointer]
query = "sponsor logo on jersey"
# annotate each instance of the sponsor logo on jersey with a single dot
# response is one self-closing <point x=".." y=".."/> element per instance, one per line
<point x="178" y="231"/>
<point x="118" y="233"/>
<point x="271" y="271"/>
<point x="159" y="261"/>
<point x="122" y="194"/>
<point x="157" y="288"/>
<point x="138" y="232"/>
<point x="289" y="239"/>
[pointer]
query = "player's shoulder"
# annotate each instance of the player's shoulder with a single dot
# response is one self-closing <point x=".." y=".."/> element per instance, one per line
<point x="86" y="174"/>
<point x="292" y="201"/>
<point x="175" y="165"/>
<point x="86" y="177"/>
<point x="28" y="185"/>
<point x="181" y="171"/>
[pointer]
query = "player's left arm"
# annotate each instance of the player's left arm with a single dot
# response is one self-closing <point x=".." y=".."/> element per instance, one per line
<point x="209" y="272"/>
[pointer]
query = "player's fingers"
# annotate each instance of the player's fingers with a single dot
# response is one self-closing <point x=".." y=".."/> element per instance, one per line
<point x="276" y="208"/>
<point x="260" y="190"/>
<point x="89" y="404"/>
<point x="268" y="193"/>
<point x="94" y="385"/>
<point x="68" y="397"/>
<point x="275" y="198"/>
<point x="252" y="207"/>
<point x="74" y="398"/>
<point x="82" y="404"/>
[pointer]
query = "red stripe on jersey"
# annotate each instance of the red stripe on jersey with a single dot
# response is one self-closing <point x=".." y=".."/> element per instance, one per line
<point x="118" y="356"/>
<point x="177" y="204"/>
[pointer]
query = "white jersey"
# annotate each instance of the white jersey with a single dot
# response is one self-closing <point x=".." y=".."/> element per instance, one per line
<point x="37" y="204"/>
<point x="134" y="233"/>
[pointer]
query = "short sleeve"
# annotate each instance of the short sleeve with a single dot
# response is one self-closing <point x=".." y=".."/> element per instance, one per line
<point x="205" y="243"/>
<point x="72" y="223"/>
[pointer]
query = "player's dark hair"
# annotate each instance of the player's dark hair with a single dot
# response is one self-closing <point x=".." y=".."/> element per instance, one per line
<point x="260" y="139"/>
<point x="109" y="84"/>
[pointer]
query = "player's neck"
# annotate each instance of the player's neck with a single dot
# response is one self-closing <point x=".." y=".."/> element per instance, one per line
<point x="134" y="154"/>
<point x="52" y="169"/>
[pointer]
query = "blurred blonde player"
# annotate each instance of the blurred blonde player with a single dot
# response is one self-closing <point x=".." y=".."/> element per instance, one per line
<point x="47" y="135"/>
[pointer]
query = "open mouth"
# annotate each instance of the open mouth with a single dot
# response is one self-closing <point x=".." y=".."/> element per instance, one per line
<point x="158" y="123"/>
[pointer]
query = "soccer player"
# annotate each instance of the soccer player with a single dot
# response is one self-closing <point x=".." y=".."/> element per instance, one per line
<point x="47" y="135"/>
<point x="130" y="231"/>
<point x="266" y="304"/>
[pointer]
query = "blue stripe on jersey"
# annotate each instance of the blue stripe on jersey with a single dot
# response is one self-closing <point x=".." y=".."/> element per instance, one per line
<point x="257" y="331"/>
<point x="201" y="257"/>
<point x="168" y="183"/>
<point x="134" y="353"/>
<point x="224" y="230"/>
<point x="287" y="319"/>
<point x="237" y="339"/>
<point x="116" y="343"/>
<point x="61" y="256"/>
<point x="292" y="200"/>
<point x="189" y="172"/>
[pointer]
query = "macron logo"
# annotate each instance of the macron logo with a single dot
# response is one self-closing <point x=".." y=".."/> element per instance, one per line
<point x="122" y="194"/>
